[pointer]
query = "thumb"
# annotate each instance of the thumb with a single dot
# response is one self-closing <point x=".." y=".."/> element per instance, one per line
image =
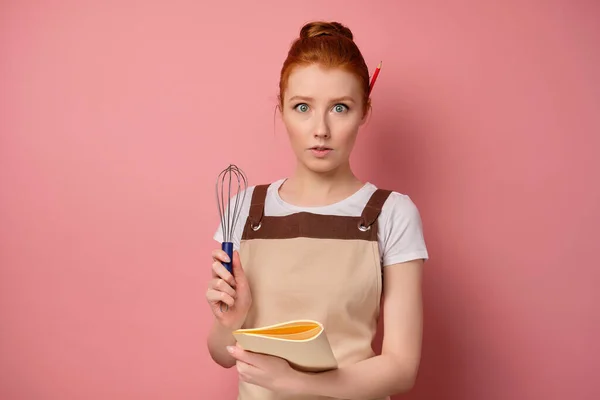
<point x="238" y="271"/>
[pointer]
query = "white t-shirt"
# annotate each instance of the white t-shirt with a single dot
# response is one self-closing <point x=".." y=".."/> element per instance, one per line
<point x="400" y="232"/>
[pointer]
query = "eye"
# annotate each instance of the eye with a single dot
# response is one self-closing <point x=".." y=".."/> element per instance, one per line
<point x="338" y="108"/>
<point x="302" y="107"/>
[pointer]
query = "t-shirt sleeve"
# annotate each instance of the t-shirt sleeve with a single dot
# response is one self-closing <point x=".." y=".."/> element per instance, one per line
<point x="402" y="231"/>
<point x="235" y="235"/>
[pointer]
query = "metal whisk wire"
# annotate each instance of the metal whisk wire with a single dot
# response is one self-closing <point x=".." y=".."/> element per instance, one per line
<point x="232" y="175"/>
<point x="230" y="178"/>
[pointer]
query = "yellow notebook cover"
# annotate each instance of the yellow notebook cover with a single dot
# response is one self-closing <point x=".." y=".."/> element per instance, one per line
<point x="302" y="343"/>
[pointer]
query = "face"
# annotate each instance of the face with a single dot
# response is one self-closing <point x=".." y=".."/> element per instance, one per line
<point x="322" y="112"/>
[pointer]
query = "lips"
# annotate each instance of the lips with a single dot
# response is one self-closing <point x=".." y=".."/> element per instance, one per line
<point x="320" y="151"/>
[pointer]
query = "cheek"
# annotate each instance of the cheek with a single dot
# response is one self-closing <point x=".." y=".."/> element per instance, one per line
<point x="295" y="128"/>
<point x="347" y="131"/>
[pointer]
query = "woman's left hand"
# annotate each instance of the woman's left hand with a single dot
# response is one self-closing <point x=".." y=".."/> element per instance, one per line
<point x="270" y="372"/>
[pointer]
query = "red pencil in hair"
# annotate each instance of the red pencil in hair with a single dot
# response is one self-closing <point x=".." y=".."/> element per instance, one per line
<point x="374" y="77"/>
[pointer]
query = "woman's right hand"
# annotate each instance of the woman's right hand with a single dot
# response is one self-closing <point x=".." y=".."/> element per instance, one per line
<point x="233" y="290"/>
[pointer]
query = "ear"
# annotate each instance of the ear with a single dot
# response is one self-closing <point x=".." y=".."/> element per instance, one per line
<point x="278" y="106"/>
<point x="279" y="111"/>
<point x="366" y="115"/>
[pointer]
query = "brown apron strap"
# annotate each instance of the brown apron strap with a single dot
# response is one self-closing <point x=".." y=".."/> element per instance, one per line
<point x="257" y="204"/>
<point x="373" y="207"/>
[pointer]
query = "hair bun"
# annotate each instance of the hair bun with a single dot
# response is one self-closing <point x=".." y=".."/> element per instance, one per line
<point x="322" y="28"/>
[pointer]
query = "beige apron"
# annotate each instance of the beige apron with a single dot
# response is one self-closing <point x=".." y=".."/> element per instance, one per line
<point x="312" y="266"/>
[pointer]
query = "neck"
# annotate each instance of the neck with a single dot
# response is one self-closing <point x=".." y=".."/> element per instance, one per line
<point x="312" y="189"/>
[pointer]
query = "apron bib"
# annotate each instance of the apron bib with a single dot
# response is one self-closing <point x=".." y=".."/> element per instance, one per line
<point x="312" y="266"/>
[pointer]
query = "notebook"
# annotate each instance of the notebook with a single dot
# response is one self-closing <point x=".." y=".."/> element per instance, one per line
<point x="303" y="343"/>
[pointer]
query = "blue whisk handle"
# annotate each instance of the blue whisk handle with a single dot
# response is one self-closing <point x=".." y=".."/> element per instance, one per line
<point x="227" y="247"/>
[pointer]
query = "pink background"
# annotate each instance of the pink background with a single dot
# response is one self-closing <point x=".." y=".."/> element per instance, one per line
<point x="115" y="119"/>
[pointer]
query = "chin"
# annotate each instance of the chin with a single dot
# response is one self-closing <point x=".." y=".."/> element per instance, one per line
<point x="321" y="166"/>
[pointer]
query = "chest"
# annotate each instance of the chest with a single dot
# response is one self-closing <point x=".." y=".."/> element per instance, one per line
<point x="311" y="277"/>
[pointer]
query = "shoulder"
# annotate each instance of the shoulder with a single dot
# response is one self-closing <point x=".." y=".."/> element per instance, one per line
<point x="400" y="206"/>
<point x="400" y="232"/>
<point x="263" y="189"/>
<point x="396" y="205"/>
<point x="245" y="196"/>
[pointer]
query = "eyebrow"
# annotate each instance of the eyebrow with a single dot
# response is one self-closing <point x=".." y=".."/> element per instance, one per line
<point x="305" y="98"/>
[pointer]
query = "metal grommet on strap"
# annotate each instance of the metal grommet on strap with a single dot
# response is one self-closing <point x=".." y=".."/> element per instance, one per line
<point x="372" y="209"/>
<point x="257" y="206"/>
<point x="362" y="227"/>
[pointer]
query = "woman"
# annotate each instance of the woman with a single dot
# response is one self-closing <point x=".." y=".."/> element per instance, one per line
<point x="322" y="244"/>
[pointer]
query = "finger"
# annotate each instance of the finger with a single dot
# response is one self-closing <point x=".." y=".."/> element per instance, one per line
<point x="238" y="271"/>
<point x="220" y="271"/>
<point x="215" y="297"/>
<point x="220" y="255"/>
<point x="247" y="357"/>
<point x="221" y="286"/>
<point x="247" y="372"/>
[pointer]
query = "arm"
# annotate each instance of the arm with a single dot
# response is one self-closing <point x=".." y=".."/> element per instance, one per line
<point x="218" y="339"/>
<point x="395" y="370"/>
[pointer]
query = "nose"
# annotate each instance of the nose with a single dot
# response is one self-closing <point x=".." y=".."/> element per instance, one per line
<point x="322" y="128"/>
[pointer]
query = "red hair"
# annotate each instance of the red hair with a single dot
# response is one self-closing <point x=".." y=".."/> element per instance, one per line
<point x="330" y="45"/>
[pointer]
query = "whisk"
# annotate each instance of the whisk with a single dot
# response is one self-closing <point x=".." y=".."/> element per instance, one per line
<point x="231" y="184"/>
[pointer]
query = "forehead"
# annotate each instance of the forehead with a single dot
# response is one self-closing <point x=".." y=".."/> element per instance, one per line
<point x="319" y="82"/>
